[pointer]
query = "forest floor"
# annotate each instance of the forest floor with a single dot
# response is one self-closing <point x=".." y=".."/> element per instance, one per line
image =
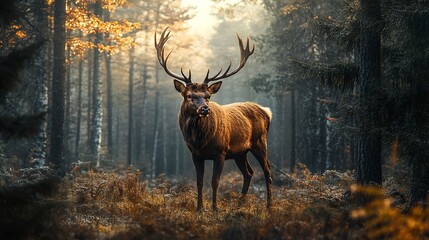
<point x="122" y="205"/>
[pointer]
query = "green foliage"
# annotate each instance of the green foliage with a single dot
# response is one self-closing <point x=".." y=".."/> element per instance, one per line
<point x="344" y="28"/>
<point x="339" y="76"/>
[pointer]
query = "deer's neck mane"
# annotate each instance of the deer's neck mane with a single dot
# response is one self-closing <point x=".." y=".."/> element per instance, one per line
<point x="197" y="131"/>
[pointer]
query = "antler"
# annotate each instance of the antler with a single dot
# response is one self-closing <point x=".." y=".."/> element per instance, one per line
<point x="160" y="50"/>
<point x="245" y="54"/>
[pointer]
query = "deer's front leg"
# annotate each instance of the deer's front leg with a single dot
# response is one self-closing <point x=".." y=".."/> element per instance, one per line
<point x="199" y="168"/>
<point x="217" y="170"/>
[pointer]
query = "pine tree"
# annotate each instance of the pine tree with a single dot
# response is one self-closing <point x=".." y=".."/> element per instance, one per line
<point x="368" y="166"/>
<point x="56" y="148"/>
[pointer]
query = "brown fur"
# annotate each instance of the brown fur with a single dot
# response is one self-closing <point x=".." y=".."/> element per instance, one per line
<point x="219" y="132"/>
<point x="228" y="132"/>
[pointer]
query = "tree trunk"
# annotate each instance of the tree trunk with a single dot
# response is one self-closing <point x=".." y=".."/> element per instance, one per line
<point x="108" y="59"/>
<point x="118" y="130"/>
<point x="89" y="103"/>
<point x="79" y="111"/>
<point x="177" y="153"/>
<point x="419" y="181"/>
<point x="39" y="67"/>
<point x="292" y="131"/>
<point x="157" y="99"/>
<point x="143" y="146"/>
<point x="323" y="149"/>
<point x="67" y="120"/>
<point x="56" y="148"/>
<point x="97" y="112"/>
<point x="164" y="139"/>
<point x="156" y="135"/>
<point x="369" y="142"/>
<point x="109" y="105"/>
<point x="130" y="108"/>
<point x="281" y="131"/>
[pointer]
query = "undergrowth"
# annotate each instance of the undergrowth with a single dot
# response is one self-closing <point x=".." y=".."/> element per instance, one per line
<point x="383" y="220"/>
<point x="124" y="205"/>
<point x="108" y="205"/>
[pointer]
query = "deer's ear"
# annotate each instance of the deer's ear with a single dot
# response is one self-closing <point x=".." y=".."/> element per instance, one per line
<point x="214" y="87"/>
<point x="179" y="86"/>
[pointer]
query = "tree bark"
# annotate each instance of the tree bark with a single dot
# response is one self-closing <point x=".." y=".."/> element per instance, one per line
<point x="79" y="110"/>
<point x="130" y="108"/>
<point x="157" y="99"/>
<point x="292" y="131"/>
<point x="56" y="148"/>
<point x="323" y="146"/>
<point x="108" y="59"/>
<point x="39" y="67"/>
<point x="419" y="181"/>
<point x="97" y="112"/>
<point x="89" y="103"/>
<point x="369" y="142"/>
<point x="67" y="120"/>
<point x="165" y="140"/>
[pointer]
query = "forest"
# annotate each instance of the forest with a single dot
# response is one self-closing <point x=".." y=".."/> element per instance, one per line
<point x="100" y="139"/>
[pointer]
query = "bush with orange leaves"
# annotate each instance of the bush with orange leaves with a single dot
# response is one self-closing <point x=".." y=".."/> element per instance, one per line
<point x="382" y="220"/>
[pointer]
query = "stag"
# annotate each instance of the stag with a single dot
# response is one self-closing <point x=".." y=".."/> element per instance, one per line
<point x="219" y="132"/>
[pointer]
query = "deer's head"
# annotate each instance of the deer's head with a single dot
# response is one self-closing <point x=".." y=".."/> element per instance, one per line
<point x="196" y="96"/>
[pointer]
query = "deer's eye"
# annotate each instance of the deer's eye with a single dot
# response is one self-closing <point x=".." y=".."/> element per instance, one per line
<point x="189" y="97"/>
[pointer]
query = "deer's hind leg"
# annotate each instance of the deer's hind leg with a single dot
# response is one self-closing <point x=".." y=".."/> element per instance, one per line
<point x="247" y="171"/>
<point x="261" y="154"/>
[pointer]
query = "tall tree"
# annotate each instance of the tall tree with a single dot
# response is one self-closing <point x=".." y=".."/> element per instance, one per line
<point x="406" y="67"/>
<point x="369" y="141"/>
<point x="79" y="110"/>
<point x="293" y="131"/>
<point x="56" y="148"/>
<point x="163" y="13"/>
<point x="97" y="110"/>
<point x="291" y="36"/>
<point x="39" y="66"/>
<point x="109" y="96"/>
<point x="85" y="17"/>
<point x="130" y="108"/>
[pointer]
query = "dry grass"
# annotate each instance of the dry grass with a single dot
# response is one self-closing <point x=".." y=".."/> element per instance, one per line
<point x="110" y="205"/>
<point x="122" y="205"/>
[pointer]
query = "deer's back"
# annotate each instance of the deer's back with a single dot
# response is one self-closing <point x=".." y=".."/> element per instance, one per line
<point x="248" y="123"/>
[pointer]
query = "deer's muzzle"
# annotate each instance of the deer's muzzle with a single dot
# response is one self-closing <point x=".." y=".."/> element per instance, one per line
<point x="203" y="111"/>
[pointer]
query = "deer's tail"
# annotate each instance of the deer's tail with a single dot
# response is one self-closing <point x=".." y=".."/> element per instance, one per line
<point x="267" y="110"/>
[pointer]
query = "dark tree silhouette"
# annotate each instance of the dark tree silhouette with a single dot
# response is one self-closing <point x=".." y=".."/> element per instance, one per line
<point x="368" y="166"/>
<point x="56" y="150"/>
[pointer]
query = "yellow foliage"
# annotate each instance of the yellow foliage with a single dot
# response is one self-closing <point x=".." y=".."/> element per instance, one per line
<point x="80" y="19"/>
<point x="384" y="221"/>
<point x="12" y="35"/>
<point x="78" y="47"/>
<point x="19" y="32"/>
<point x="111" y="5"/>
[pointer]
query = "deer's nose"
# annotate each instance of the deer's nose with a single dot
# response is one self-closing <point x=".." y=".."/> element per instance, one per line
<point x="205" y="110"/>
